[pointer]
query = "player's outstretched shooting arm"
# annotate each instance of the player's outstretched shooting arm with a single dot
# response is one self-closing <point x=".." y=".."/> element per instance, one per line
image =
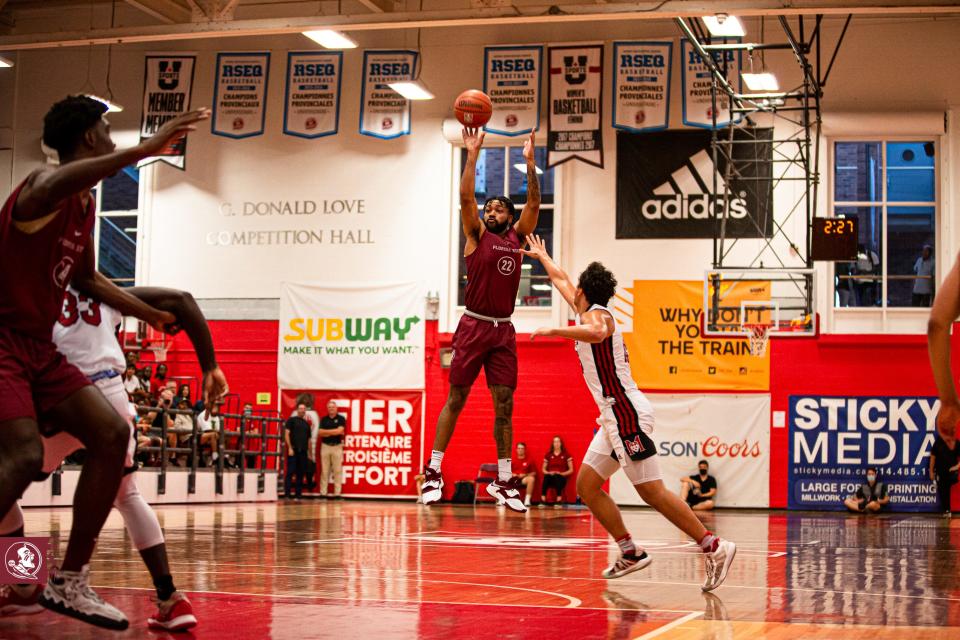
<point x="946" y="309"/>
<point x="527" y="223"/>
<point x="472" y="229"/>
<point x="593" y="326"/>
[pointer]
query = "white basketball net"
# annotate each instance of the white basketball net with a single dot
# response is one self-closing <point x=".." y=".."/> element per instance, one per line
<point x="759" y="337"/>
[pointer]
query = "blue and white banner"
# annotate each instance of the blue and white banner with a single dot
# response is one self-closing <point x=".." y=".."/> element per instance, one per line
<point x="384" y="113"/>
<point x="696" y="79"/>
<point x="834" y="439"/>
<point x="312" y="100"/>
<point x="511" y="77"/>
<point x="240" y="94"/>
<point x="641" y="85"/>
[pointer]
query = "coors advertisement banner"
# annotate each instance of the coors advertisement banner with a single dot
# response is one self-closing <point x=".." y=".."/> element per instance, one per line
<point x="641" y="85"/>
<point x="576" y="90"/>
<point x="697" y="79"/>
<point x="240" y="94"/>
<point x="312" y="102"/>
<point x="167" y="87"/>
<point x="665" y="185"/>
<point x="384" y="113"/>
<point x="511" y="78"/>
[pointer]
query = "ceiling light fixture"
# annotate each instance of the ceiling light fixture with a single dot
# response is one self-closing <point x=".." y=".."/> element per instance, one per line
<point x="764" y="82"/>
<point x="724" y="26"/>
<point x="330" y="39"/>
<point x="412" y="90"/>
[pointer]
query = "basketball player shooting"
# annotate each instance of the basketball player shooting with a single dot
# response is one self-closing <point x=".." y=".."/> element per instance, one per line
<point x="945" y="311"/>
<point x="45" y="228"/>
<point x="485" y="337"/>
<point x="86" y="335"/>
<point x="626" y="424"/>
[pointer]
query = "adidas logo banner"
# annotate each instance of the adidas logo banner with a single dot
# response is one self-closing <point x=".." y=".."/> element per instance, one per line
<point x="576" y="89"/>
<point x="696" y="80"/>
<point x="665" y="185"/>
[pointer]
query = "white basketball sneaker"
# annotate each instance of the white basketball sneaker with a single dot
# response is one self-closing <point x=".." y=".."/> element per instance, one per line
<point x="718" y="563"/>
<point x="432" y="489"/>
<point x="627" y="564"/>
<point x="508" y="493"/>
<point x="69" y="593"/>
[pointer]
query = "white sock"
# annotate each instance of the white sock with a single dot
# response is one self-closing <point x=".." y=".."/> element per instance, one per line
<point x="436" y="457"/>
<point x="504" y="469"/>
<point x="526" y="500"/>
<point x="627" y="547"/>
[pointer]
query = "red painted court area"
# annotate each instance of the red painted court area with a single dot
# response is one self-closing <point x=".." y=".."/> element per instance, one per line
<point x="389" y="570"/>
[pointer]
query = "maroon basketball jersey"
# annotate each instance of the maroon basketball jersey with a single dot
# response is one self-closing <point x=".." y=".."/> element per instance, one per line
<point x="35" y="268"/>
<point x="493" y="274"/>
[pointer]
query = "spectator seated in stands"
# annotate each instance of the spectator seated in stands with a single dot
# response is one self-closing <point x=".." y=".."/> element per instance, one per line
<point x="159" y="419"/>
<point x="526" y="470"/>
<point x="160" y="378"/>
<point x="699" y="490"/>
<point x="130" y="380"/>
<point x="871" y="496"/>
<point x="183" y="393"/>
<point x="147" y="439"/>
<point x="145" y="375"/>
<point x="557" y="467"/>
<point x="182" y="430"/>
<point x="209" y="424"/>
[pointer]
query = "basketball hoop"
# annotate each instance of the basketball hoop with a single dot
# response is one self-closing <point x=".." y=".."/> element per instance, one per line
<point x="160" y="352"/>
<point x="759" y="337"/>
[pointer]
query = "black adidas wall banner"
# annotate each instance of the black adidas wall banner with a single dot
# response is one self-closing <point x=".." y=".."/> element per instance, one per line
<point x="697" y="79"/>
<point x="576" y="91"/>
<point x="240" y="94"/>
<point x="641" y="85"/>
<point x="167" y="87"/>
<point x="665" y="185"/>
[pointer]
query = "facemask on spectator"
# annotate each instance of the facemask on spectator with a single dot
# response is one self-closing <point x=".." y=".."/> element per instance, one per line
<point x="871" y="477"/>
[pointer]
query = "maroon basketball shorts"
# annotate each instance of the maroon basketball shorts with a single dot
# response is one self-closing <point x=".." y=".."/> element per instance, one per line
<point x="479" y="344"/>
<point x="34" y="376"/>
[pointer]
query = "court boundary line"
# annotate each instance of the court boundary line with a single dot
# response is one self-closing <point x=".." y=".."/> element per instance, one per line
<point x="670" y="625"/>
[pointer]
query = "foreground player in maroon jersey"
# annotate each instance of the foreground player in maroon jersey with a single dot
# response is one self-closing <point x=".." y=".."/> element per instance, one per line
<point x="945" y="311"/>
<point x="485" y="337"/>
<point x="45" y="228"/>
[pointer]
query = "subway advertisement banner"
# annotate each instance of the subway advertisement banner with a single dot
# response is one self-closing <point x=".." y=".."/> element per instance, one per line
<point x="668" y="351"/>
<point x="383" y="442"/>
<point x="834" y="439"/>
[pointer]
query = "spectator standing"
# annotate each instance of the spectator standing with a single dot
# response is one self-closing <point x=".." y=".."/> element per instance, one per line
<point x="333" y="426"/>
<point x="297" y="437"/>
<point x="526" y="470"/>
<point x="160" y="377"/>
<point x="944" y="469"/>
<point x="210" y="425"/>
<point x="557" y="467"/>
<point x="252" y="442"/>
<point x="130" y="380"/>
<point x="868" y="263"/>
<point x="182" y="429"/>
<point x="313" y="419"/>
<point x="161" y="419"/>
<point x="870" y="497"/>
<point x="923" y="285"/>
<point x="699" y="490"/>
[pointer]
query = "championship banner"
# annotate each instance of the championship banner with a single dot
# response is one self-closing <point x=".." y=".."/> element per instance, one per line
<point x="641" y="85"/>
<point x="576" y="92"/>
<point x="665" y="185"/>
<point x="669" y="351"/>
<point x="511" y="77"/>
<point x="736" y="447"/>
<point x="351" y="337"/>
<point x="834" y="439"/>
<point x="167" y="88"/>
<point x="240" y="94"/>
<point x="384" y="113"/>
<point x="312" y="102"/>
<point x="383" y="441"/>
<point x="697" y="80"/>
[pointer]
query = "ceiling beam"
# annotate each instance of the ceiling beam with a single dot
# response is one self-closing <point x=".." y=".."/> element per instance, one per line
<point x="379" y="6"/>
<point x="167" y="11"/>
<point x="475" y="18"/>
<point x="205" y="10"/>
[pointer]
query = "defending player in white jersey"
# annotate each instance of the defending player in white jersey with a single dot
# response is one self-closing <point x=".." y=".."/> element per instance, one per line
<point x="626" y="424"/>
<point x="86" y="335"/>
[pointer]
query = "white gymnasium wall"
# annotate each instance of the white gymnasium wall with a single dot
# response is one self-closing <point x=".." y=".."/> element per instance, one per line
<point x="407" y="184"/>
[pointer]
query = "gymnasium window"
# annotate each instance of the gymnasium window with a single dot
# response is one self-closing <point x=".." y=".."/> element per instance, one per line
<point x="502" y="170"/>
<point x="115" y="235"/>
<point x="890" y="187"/>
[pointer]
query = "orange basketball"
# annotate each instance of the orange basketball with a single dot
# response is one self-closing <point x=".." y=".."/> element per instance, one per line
<point x="473" y="108"/>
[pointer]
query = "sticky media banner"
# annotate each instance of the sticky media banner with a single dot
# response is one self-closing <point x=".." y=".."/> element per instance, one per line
<point x="737" y="446"/>
<point x="240" y="94"/>
<point x="697" y="79"/>
<point x="511" y="77"/>
<point x="167" y="89"/>
<point x="576" y="105"/>
<point x="382" y="446"/>
<point x="834" y="439"/>
<point x="312" y="100"/>
<point x="384" y="113"/>
<point x="351" y="337"/>
<point x="668" y="351"/>
<point x="641" y="85"/>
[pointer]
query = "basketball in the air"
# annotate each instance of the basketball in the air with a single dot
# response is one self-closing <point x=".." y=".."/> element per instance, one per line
<point x="473" y="108"/>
